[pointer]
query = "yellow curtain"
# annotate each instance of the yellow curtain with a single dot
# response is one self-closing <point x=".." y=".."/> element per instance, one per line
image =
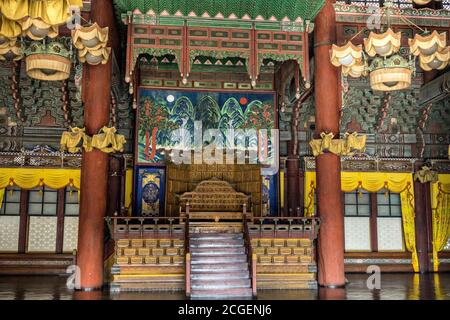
<point x="282" y="189"/>
<point x="373" y="182"/>
<point x="2" y="195"/>
<point x="309" y="189"/>
<point x="440" y="204"/>
<point x="129" y="190"/>
<point x="9" y="28"/>
<point x="29" y="178"/>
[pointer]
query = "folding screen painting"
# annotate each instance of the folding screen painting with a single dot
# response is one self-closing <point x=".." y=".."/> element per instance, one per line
<point x="163" y="112"/>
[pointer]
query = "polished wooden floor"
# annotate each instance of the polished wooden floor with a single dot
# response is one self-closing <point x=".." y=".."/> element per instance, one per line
<point x="393" y="287"/>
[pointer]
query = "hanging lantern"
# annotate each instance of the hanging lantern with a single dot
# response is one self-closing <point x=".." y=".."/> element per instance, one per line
<point x="427" y="45"/>
<point x="10" y="50"/>
<point x="91" y="43"/>
<point x="355" y="71"/>
<point x="94" y="57"/>
<point x="390" y="74"/>
<point x="422" y="2"/>
<point x="92" y="37"/>
<point x="36" y="29"/>
<point x="437" y="61"/>
<point x="384" y="44"/>
<point x="49" y="62"/>
<point x="347" y="55"/>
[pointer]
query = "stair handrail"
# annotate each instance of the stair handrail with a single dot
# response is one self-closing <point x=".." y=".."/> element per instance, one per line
<point x="187" y="253"/>
<point x="251" y="257"/>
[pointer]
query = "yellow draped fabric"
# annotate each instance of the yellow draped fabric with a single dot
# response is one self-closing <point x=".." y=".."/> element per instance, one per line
<point x="9" y="28"/>
<point x="425" y="175"/>
<point x="2" y="195"/>
<point x="282" y="189"/>
<point x="129" y="190"/>
<point x="29" y="178"/>
<point x="108" y="141"/>
<point x="319" y="146"/>
<point x="440" y="204"/>
<point x="51" y="12"/>
<point x="373" y="182"/>
<point x="73" y="139"/>
<point x="309" y="190"/>
<point x="351" y="143"/>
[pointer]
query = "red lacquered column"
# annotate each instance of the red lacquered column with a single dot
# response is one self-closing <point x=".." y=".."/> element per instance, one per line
<point x="328" y="166"/>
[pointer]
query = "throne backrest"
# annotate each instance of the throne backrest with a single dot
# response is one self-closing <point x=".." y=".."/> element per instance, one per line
<point x="214" y="195"/>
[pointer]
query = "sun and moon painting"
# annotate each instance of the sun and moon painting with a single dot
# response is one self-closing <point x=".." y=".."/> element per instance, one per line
<point x="162" y="112"/>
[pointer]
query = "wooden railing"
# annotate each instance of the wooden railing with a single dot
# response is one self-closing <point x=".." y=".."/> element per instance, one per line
<point x="304" y="227"/>
<point x="188" y="254"/>
<point x="251" y="257"/>
<point x="122" y="227"/>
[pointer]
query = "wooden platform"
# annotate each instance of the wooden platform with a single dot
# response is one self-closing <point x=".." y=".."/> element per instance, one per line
<point x="285" y="263"/>
<point x="34" y="263"/>
<point x="148" y="265"/>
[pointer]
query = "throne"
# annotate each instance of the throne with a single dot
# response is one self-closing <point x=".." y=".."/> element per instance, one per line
<point x="214" y="199"/>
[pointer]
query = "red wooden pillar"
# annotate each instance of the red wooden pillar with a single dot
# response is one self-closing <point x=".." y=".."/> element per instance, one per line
<point x="423" y="229"/>
<point x="328" y="166"/>
<point x="114" y="185"/>
<point x="94" y="167"/>
<point x="293" y="188"/>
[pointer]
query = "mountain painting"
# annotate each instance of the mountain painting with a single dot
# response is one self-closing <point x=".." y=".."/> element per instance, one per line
<point x="162" y="112"/>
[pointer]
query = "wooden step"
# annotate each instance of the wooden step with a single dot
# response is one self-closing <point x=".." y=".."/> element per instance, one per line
<point x="216" y="251"/>
<point x="240" y="293"/>
<point x="200" y="243"/>
<point x="218" y="259"/>
<point x="199" y="268"/>
<point x="220" y="284"/>
<point x="220" y="275"/>
<point x="215" y="236"/>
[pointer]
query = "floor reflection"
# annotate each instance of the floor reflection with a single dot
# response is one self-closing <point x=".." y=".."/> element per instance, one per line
<point x="396" y="286"/>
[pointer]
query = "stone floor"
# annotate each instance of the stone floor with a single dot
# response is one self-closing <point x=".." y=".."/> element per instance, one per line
<point x="393" y="287"/>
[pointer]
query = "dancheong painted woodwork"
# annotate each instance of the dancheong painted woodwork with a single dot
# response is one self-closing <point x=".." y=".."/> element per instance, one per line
<point x="187" y="33"/>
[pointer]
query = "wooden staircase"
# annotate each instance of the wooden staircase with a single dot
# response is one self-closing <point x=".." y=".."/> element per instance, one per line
<point x="219" y="267"/>
<point x="212" y="259"/>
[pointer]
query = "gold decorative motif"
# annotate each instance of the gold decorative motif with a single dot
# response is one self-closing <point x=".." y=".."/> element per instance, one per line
<point x="425" y="174"/>
<point x="351" y="144"/>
